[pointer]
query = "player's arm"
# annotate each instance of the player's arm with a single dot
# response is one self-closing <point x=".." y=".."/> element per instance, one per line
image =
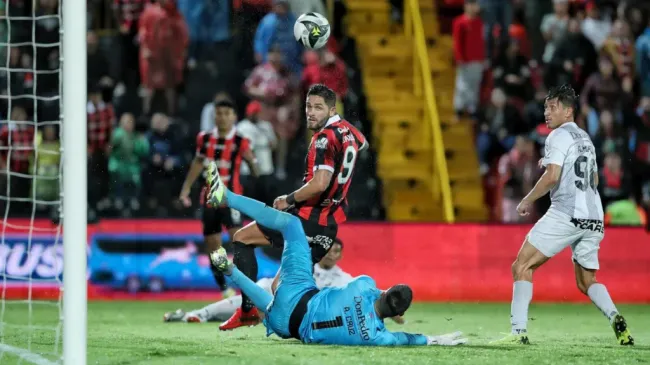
<point x="195" y="171"/>
<point x="324" y="169"/>
<point x="249" y="157"/>
<point x="554" y="155"/>
<point x="545" y="183"/>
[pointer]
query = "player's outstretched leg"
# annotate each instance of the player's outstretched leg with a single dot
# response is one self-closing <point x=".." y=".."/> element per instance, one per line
<point x="263" y="214"/>
<point x="597" y="292"/>
<point x="258" y="295"/>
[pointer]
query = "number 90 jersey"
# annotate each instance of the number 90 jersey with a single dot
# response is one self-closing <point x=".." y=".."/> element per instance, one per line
<point x="334" y="148"/>
<point x="576" y="194"/>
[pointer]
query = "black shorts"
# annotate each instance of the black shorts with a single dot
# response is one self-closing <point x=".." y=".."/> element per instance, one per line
<point x="320" y="238"/>
<point x="214" y="218"/>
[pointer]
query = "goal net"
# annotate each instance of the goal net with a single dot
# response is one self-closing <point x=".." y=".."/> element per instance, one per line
<point x="32" y="136"/>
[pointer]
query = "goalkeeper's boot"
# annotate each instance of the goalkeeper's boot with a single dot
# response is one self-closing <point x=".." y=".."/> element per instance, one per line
<point x="513" y="339"/>
<point x="242" y="319"/>
<point x="623" y="335"/>
<point x="176" y="316"/>
<point x="220" y="261"/>
<point x="216" y="189"/>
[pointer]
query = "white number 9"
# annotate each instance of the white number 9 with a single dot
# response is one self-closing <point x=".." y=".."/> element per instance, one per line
<point x="349" y="158"/>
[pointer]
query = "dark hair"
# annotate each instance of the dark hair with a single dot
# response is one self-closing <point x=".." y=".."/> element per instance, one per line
<point x="564" y="94"/>
<point x="325" y="92"/>
<point x="399" y="298"/>
<point x="224" y="103"/>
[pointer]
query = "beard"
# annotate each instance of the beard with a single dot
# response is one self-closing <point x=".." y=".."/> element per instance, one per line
<point x="320" y="124"/>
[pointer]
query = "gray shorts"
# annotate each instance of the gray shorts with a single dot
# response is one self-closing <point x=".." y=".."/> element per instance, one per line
<point x="555" y="231"/>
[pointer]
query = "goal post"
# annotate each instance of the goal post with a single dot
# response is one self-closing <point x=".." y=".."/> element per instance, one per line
<point x="74" y="143"/>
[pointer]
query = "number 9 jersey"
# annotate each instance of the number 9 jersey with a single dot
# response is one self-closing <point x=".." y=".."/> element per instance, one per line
<point x="334" y="148"/>
<point x="576" y="194"/>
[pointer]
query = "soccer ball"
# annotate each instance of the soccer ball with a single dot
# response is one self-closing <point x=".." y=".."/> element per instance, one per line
<point x="312" y="30"/>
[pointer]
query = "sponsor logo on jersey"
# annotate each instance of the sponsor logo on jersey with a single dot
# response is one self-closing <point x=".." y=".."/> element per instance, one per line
<point x="343" y="130"/>
<point x="321" y="144"/>
<point x="364" y="332"/>
<point x="323" y="241"/>
<point x="348" y="138"/>
<point x="593" y="225"/>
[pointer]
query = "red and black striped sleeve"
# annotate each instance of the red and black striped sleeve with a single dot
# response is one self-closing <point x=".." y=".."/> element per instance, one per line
<point x="361" y="139"/>
<point x="325" y="146"/>
<point x="200" y="145"/>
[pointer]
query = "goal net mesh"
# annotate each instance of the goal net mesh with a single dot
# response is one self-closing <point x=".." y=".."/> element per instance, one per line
<point x="31" y="250"/>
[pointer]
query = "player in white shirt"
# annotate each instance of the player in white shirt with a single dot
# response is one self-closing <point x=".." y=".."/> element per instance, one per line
<point x="326" y="274"/>
<point x="574" y="219"/>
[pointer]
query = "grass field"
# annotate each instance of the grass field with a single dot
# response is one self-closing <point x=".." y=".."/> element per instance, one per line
<point x="133" y="333"/>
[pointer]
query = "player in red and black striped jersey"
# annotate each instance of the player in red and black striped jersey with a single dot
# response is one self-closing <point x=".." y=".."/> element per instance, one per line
<point x="320" y="203"/>
<point x="228" y="149"/>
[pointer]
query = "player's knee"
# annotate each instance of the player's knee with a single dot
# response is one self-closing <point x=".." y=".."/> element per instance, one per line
<point x="241" y="237"/>
<point x="521" y="270"/>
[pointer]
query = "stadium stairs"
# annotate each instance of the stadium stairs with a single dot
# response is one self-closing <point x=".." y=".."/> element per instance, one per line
<point x="413" y="189"/>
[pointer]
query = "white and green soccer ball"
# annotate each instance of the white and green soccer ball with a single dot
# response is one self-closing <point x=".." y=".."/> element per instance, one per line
<point x="312" y="30"/>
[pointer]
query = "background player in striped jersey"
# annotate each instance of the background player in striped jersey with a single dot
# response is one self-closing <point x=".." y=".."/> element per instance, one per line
<point x="574" y="219"/>
<point x="326" y="274"/>
<point x="320" y="203"/>
<point x="228" y="149"/>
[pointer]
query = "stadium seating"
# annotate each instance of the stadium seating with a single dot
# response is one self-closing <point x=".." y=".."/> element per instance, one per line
<point x="402" y="135"/>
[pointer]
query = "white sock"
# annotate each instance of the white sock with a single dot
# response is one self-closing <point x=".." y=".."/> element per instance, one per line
<point x="522" y="294"/>
<point x="221" y="310"/>
<point x="600" y="297"/>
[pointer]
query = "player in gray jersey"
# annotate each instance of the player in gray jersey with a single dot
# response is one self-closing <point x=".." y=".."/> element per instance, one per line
<point x="574" y="219"/>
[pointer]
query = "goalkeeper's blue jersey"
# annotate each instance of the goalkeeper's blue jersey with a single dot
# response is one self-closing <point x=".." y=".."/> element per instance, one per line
<point x="347" y="316"/>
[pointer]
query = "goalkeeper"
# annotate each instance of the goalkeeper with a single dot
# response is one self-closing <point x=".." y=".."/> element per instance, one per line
<point x="352" y="315"/>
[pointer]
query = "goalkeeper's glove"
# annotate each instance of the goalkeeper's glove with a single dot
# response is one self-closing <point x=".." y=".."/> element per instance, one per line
<point x="449" y="339"/>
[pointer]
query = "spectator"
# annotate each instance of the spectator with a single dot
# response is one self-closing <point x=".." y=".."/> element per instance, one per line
<point x="502" y="122"/>
<point x="164" y="163"/>
<point x="643" y="60"/>
<point x="263" y="140"/>
<point x="640" y="141"/>
<point x="602" y="90"/>
<point x="496" y="12"/>
<point x="614" y="182"/>
<point x="100" y="121"/>
<point x="45" y="165"/>
<point x="469" y="53"/>
<point x="127" y="14"/>
<point x="518" y="172"/>
<point x="299" y="7"/>
<point x="276" y="29"/>
<point x="98" y="71"/>
<point x="573" y="60"/>
<point x="511" y="72"/>
<point x="4" y="32"/>
<point x="326" y="69"/>
<point x="125" y="163"/>
<point x="554" y="26"/>
<point x="619" y="46"/>
<point x="270" y="84"/>
<point x="534" y="109"/>
<point x="609" y="136"/>
<point x="163" y="39"/>
<point x="47" y="55"/>
<point x="625" y="213"/>
<point x="17" y="148"/>
<point x="595" y="27"/>
<point x="208" y="24"/>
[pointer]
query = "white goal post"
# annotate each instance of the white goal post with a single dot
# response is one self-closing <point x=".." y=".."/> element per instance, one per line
<point x="74" y="198"/>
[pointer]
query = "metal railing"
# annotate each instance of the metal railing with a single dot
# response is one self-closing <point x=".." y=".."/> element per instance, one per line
<point x="423" y="88"/>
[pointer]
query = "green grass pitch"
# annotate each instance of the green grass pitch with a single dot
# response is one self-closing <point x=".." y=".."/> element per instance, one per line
<point x="129" y="333"/>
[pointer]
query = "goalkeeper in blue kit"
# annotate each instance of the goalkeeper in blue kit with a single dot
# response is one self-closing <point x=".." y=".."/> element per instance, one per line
<point x="352" y="315"/>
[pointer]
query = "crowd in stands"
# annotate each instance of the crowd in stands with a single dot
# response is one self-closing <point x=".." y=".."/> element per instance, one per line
<point x="509" y="53"/>
<point x="155" y="68"/>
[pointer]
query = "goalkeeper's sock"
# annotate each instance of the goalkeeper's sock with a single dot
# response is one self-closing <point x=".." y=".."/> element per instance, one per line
<point x="600" y="297"/>
<point x="260" y="297"/>
<point x="522" y="294"/>
<point x="246" y="262"/>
